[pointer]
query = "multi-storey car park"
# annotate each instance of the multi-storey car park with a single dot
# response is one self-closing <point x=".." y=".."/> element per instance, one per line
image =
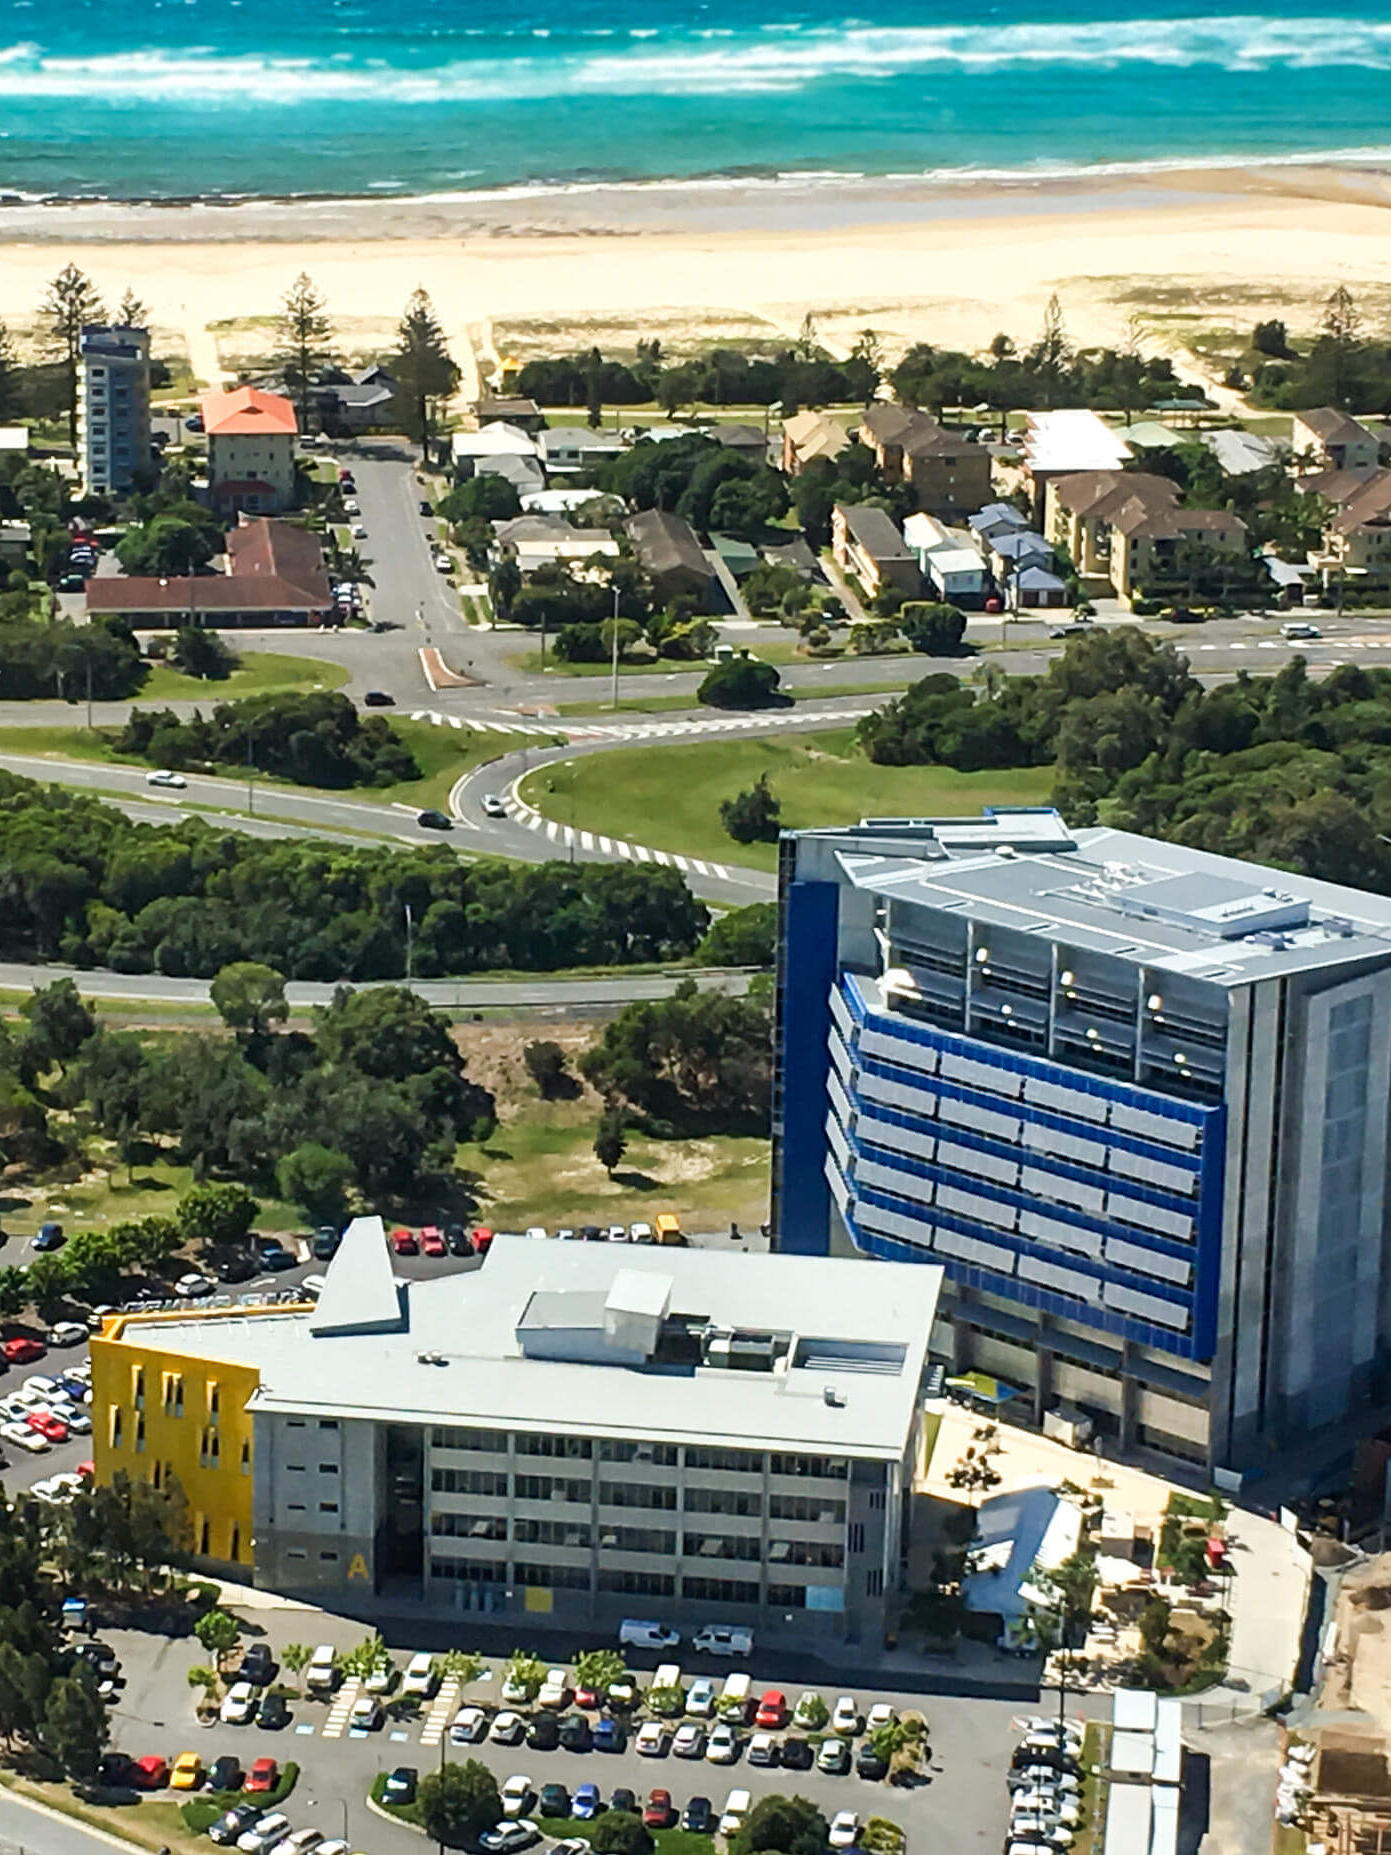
<point x="572" y="1433"/>
<point x="1132" y="1097"/>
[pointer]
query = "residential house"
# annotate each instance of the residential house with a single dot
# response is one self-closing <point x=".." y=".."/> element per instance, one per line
<point x="949" y="474"/>
<point x="364" y="401"/>
<point x="15" y="539"/>
<point x="510" y="409"/>
<point x="1035" y="585"/>
<point x="501" y="450"/>
<point x="1242" y="453"/>
<point x="251" y="450"/>
<point x="807" y="436"/>
<point x="1023" y="566"/>
<point x="570" y="448"/>
<point x="113" y="408"/>
<point x="1328" y="439"/>
<point x="996" y="518"/>
<point x="565" y="501"/>
<point x="273" y="574"/>
<point x="748" y="441"/>
<point x="1357" y="541"/>
<point x="14" y="440"/>
<point x="950" y="560"/>
<point x="670" y="550"/>
<point x="1150" y="435"/>
<point x="1068" y="441"/>
<point x="547" y="540"/>
<point x="865" y="542"/>
<point x="1132" y="529"/>
<point x="795" y="554"/>
<point x="1337" y="487"/>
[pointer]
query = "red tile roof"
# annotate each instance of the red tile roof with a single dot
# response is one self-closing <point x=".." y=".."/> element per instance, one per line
<point x="272" y="567"/>
<point x="247" y="410"/>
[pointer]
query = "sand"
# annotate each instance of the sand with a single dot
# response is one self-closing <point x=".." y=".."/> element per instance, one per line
<point x="1157" y="258"/>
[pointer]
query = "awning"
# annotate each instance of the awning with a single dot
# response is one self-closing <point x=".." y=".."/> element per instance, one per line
<point x="982" y="1386"/>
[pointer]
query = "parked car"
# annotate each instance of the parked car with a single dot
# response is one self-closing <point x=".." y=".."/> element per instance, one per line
<point x="797" y="1753"/>
<point x="717" y="1639"/>
<point x="624" y="1799"/>
<point x="723" y="1746"/>
<point x="507" y="1838"/>
<point x="587" y="1802"/>
<point x="555" y="1800"/>
<point x="299" y="1842"/>
<point x="555" y="1689"/>
<point x="239" y="1704"/>
<point x="651" y="1741"/>
<point x="516" y="1794"/>
<point x="657" y="1811"/>
<point x="507" y="1729"/>
<point x="576" y="1734"/>
<point x="257" y="1664"/>
<point x="264" y="1775"/>
<point x="264" y="1833"/>
<point x="67" y="1333"/>
<point x="400" y="1785"/>
<point x="229" y="1827"/>
<point x="700" y="1701"/>
<point x="52" y="1429"/>
<point x="609" y="1735"/>
<point x="763" y="1749"/>
<point x="469" y="1725"/>
<point x="403" y="1242"/>
<point x="187" y="1772"/>
<point x="515" y="1693"/>
<point x="421" y="1676"/>
<point x="543" y="1734"/>
<point x="273" y="1713"/>
<point x="23" y="1351"/>
<point x="698" y="1817"/>
<point x="833" y="1757"/>
<point x="457" y="1239"/>
<point x="24" y="1438"/>
<point x="432" y="1241"/>
<point x="772" y="1711"/>
<point x="193" y="1286"/>
<point x="845" y="1826"/>
<point x="225" y="1773"/>
<point x="736" y="1808"/>
<point x="150" y="1773"/>
<point x="689" y="1741"/>
<point x="880" y="1714"/>
<point x="869" y="1764"/>
<point x="366" y="1714"/>
<point x="846" y="1716"/>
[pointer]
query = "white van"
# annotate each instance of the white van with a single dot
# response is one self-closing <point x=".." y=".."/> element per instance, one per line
<point x="736" y="1688"/>
<point x="635" y="1634"/>
<point x="320" y="1674"/>
<point x="736" y="1808"/>
<point x="668" y="1675"/>
<point x="723" y="1639"/>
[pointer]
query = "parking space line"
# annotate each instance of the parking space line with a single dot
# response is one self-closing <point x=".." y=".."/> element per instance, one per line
<point x="441" y="1712"/>
<point x="339" y="1713"/>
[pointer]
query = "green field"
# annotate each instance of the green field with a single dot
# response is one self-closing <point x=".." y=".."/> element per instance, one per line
<point x="261" y="673"/>
<point x="669" y="797"/>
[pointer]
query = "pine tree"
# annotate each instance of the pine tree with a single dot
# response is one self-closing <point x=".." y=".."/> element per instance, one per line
<point x="610" y="1141"/>
<point x="1052" y="350"/>
<point x="133" y="312"/>
<point x="424" y="369"/>
<point x="71" y="304"/>
<point x="11" y="383"/>
<point x="306" y="339"/>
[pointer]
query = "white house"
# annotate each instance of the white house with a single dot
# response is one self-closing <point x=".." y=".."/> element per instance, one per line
<point x="948" y="559"/>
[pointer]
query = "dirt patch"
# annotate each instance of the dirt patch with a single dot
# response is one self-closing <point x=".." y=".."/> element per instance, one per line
<point x="493" y="1057"/>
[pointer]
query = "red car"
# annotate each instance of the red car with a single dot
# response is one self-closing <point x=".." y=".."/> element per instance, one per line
<point x="403" y="1242"/>
<point x="262" y="1775"/>
<point x="24" y="1352"/>
<point x="482" y="1241"/>
<point x="772" y="1711"/>
<point x="47" y="1425"/>
<point x="658" y="1812"/>
<point x="432" y="1241"/>
<point x="150" y="1773"/>
<point x="587" y="1697"/>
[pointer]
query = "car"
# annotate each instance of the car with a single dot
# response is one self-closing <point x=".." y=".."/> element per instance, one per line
<point x="239" y="1704"/>
<point x="24" y="1438"/>
<point x="433" y="820"/>
<point x="165" y="776"/>
<point x="469" y="1725"/>
<point x="591" y="1233"/>
<point x="576" y="1734"/>
<point x="457" y="1240"/>
<point x="566" y="1235"/>
<point x="426" y="506"/>
<point x="298" y="1842"/>
<point x="225" y="1773"/>
<point x="264" y="1833"/>
<point x="421" y="1676"/>
<point x="74" y="1416"/>
<point x="516" y="1794"/>
<point x="52" y="1429"/>
<point x="657" y="1812"/>
<point x="641" y="1233"/>
<point x="403" y="1242"/>
<point x="493" y="806"/>
<point x="240" y="1817"/>
<point x="689" y="1741"/>
<point x="378" y="699"/>
<point x="555" y="1689"/>
<point x="264" y="1775"/>
<point x="276" y="1257"/>
<point x="237" y="1268"/>
<point x="618" y="1233"/>
<point x="880" y="1714"/>
<point x="257" y="1664"/>
<point x="350" y="507"/>
<point x="700" y="1700"/>
<point x="514" y="1692"/>
<point x="193" y="1286"/>
<point x="23" y="1351"/>
<point x="150" y="1773"/>
<point x="273" y="1713"/>
<point x="336" y="1847"/>
<point x="736" y="1808"/>
<point x="443" y="562"/>
<point x="1037" y="1777"/>
<point x="763" y="1749"/>
<point x="845" y="1826"/>
<point x="400" y="1785"/>
<point x="1298" y="630"/>
<point x="482" y="1242"/>
<point x="772" y="1711"/>
<point x="624" y="1799"/>
<point x="51" y="1488"/>
<point x="797" y="1753"/>
<point x="723" y="1746"/>
<point x="833" y="1757"/>
<point x="194" y="423"/>
<point x="366" y="1715"/>
<point x="869" y="1763"/>
<point x="507" y="1729"/>
<point x="610" y="1735"/>
<point x="698" y="1817"/>
<point x="543" y="1734"/>
<point x="358" y="531"/>
<point x="652" y="1740"/>
<point x="187" y="1772"/>
<point x="586" y="1802"/>
<point x="67" y="1333"/>
<point x="506" y="1838"/>
<point x="326" y="1240"/>
<point x="72" y="583"/>
<point x="432" y="1241"/>
<point x="845" y="1717"/>
<point x="590" y="1698"/>
<point x="99" y="1654"/>
<point x="623" y="1694"/>
<point x="555" y="1800"/>
<point x="719" y="1638"/>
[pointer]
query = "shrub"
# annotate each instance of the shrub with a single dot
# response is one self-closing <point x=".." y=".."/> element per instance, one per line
<point x="743" y="683"/>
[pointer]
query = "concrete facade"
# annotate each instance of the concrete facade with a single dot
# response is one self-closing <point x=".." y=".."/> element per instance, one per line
<point x="113" y="408"/>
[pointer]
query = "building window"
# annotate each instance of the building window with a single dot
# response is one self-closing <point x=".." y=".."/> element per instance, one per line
<point x="156" y="1475"/>
<point x="722" y="1546"/>
<point x="295" y="1423"/>
<point x="638" y="1539"/>
<point x="811" y="1507"/>
<point x="329" y="1558"/>
<point x="328" y="1468"/>
<point x="138" y="1388"/>
<point x="725" y="1501"/>
<point x="295" y="1507"/>
<point x="246" y="1458"/>
<point x="857" y="1536"/>
<point x="328" y="1423"/>
<point x="823" y="1468"/>
<point x="576" y="1447"/>
<point x="117" y="1425"/>
<point x="296" y="1552"/>
<point x="234" y="1544"/>
<point x="662" y="1455"/>
<point x="495" y="1441"/>
<point x="555" y="1577"/>
<point x="876" y="1499"/>
<point x="479" y="1571"/>
<point x="787" y="1597"/>
<point x="140" y="1434"/>
<point x="173" y="1394"/>
<point x="328" y="1507"/>
<point x="481" y="1481"/>
<point x="575" y="1533"/>
<point x="204" y="1538"/>
<point x="874" y="1583"/>
<point x="470" y="1526"/>
<point x="720" y="1590"/>
<point x="636" y="1494"/>
<point x="638" y="1584"/>
<point x="822" y="1552"/>
<point x="294" y="1468"/>
<point x="214" y="1399"/>
<point x="732" y="1461"/>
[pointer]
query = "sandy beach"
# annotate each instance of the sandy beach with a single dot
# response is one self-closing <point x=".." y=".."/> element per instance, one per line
<point x="1162" y="255"/>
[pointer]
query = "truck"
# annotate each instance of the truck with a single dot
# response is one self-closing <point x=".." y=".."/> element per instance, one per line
<point x="321" y="1674"/>
<point x="668" y="1228"/>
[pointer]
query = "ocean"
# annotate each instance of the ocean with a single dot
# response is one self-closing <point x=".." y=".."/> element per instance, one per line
<point x="175" y="99"/>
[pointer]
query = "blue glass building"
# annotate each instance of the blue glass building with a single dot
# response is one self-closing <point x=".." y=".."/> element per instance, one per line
<point x="1132" y="1097"/>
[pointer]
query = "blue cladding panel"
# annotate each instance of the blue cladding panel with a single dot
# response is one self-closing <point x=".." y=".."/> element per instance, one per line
<point x="808" y="974"/>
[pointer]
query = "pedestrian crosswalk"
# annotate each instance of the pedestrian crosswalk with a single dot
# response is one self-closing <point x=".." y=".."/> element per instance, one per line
<point x="565" y="836"/>
<point x="481" y="723"/>
<point x="697" y="725"/>
<point x="340" y="1710"/>
<point x="442" y="1711"/>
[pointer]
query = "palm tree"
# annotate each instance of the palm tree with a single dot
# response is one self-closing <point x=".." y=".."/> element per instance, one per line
<point x="348" y="564"/>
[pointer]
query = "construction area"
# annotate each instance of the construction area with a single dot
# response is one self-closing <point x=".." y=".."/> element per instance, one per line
<point x="1336" y="1784"/>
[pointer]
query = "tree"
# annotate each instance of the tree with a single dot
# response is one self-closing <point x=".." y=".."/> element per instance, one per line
<point x="59" y="1024"/>
<point x="317" y="1178"/>
<point x="488" y="497"/>
<point x="250" y="997"/>
<point x="215" y="1214"/>
<point x="422" y="365"/>
<point x="305" y="339"/>
<point x="813" y="1712"/>
<point x="610" y="1141"/>
<point x="74" y="1728"/>
<point x="933" y="628"/>
<point x="599" y="1669"/>
<point x="167" y="547"/>
<point x="620" y="1832"/>
<point x="754" y="815"/>
<point x="11" y="380"/>
<point x="545" y="1064"/>
<point x="72" y="303"/>
<point x="218" y="1632"/>
<point x="202" y="653"/>
<point x="741" y="937"/>
<point x="504" y="583"/>
<point x="1052" y="352"/>
<point x="460" y="1665"/>
<point x="790" y="1825"/>
<point x="742" y="683"/>
<point x="527" y="1671"/>
<point x="458" y="1802"/>
<point x="133" y="312"/>
<point x="294" y="1659"/>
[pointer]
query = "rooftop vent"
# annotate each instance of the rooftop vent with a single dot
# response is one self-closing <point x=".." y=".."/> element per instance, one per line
<point x="836" y="1399"/>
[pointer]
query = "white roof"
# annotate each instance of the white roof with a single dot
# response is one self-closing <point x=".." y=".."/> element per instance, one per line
<point x="1073" y="438"/>
<point x="955" y="559"/>
<point x="457" y="1357"/>
<point x="1133" y="1753"/>
<point x="1129" y="1810"/>
<point x="497" y="439"/>
<point x="1133" y="1710"/>
<point x="14" y="437"/>
<point x="1168" y="1741"/>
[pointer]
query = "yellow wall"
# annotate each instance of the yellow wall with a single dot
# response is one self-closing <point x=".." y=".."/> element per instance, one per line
<point x="194" y="1424"/>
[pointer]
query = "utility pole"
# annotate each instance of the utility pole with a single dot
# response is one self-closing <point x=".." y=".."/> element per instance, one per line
<point x="409" y="925"/>
<point x="250" y="773"/>
<point x="89" y="693"/>
<point x="613" y="682"/>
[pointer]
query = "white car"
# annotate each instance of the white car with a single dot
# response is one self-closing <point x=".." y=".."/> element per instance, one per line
<point x="74" y="1417"/>
<point x="67" y="1333"/>
<point x="881" y="1714"/>
<point x="846" y="1718"/>
<point x="555" y="1689"/>
<point x="516" y="1795"/>
<point x="298" y="1842"/>
<point x="443" y="563"/>
<point x="507" y="1729"/>
<point x="689" y="1741"/>
<point x="807" y="1711"/>
<point x="359" y="531"/>
<point x="41" y="1389"/>
<point x="640" y="1233"/>
<point x="845" y="1826"/>
<point x="651" y="1741"/>
<point x="352" y="507"/>
<point x="700" y="1702"/>
<point x="264" y="1833"/>
<point x="190" y="1287"/>
<point x="736" y="1808"/>
<point x="366" y="1715"/>
<point x="514" y="1693"/>
<point x="538" y="1234"/>
<point x="241" y="1702"/>
<point x="162" y="776"/>
<point x="420" y="1677"/>
<point x="382" y="1679"/>
<point x="469" y="1725"/>
<point x="50" y="1489"/>
<point x="493" y="806"/>
<point x="723" y="1747"/>
<point x="618" y="1233"/>
<point x="24" y="1438"/>
<point x="336" y="1847"/>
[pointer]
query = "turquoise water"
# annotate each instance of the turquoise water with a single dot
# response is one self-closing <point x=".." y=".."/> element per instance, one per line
<point x="175" y="98"/>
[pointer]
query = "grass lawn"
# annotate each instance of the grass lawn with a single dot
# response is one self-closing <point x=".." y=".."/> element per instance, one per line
<point x="106" y="1194"/>
<point x="530" y="663"/>
<point x="261" y="673"/>
<point x="152" y="1823"/>
<point x="667" y="1841"/>
<point x="669" y="797"/>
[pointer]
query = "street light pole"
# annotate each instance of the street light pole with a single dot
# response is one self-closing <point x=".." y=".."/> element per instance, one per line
<point x="613" y="683"/>
<point x="409" y="925"/>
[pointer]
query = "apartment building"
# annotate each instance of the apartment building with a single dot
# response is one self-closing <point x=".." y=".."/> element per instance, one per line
<point x="113" y="408"/>
<point x="1327" y="438"/>
<point x="251" y="450"/>
<point x="950" y="474"/>
<point x="867" y="542"/>
<point x="1133" y="1099"/>
<point x="569" y="1433"/>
